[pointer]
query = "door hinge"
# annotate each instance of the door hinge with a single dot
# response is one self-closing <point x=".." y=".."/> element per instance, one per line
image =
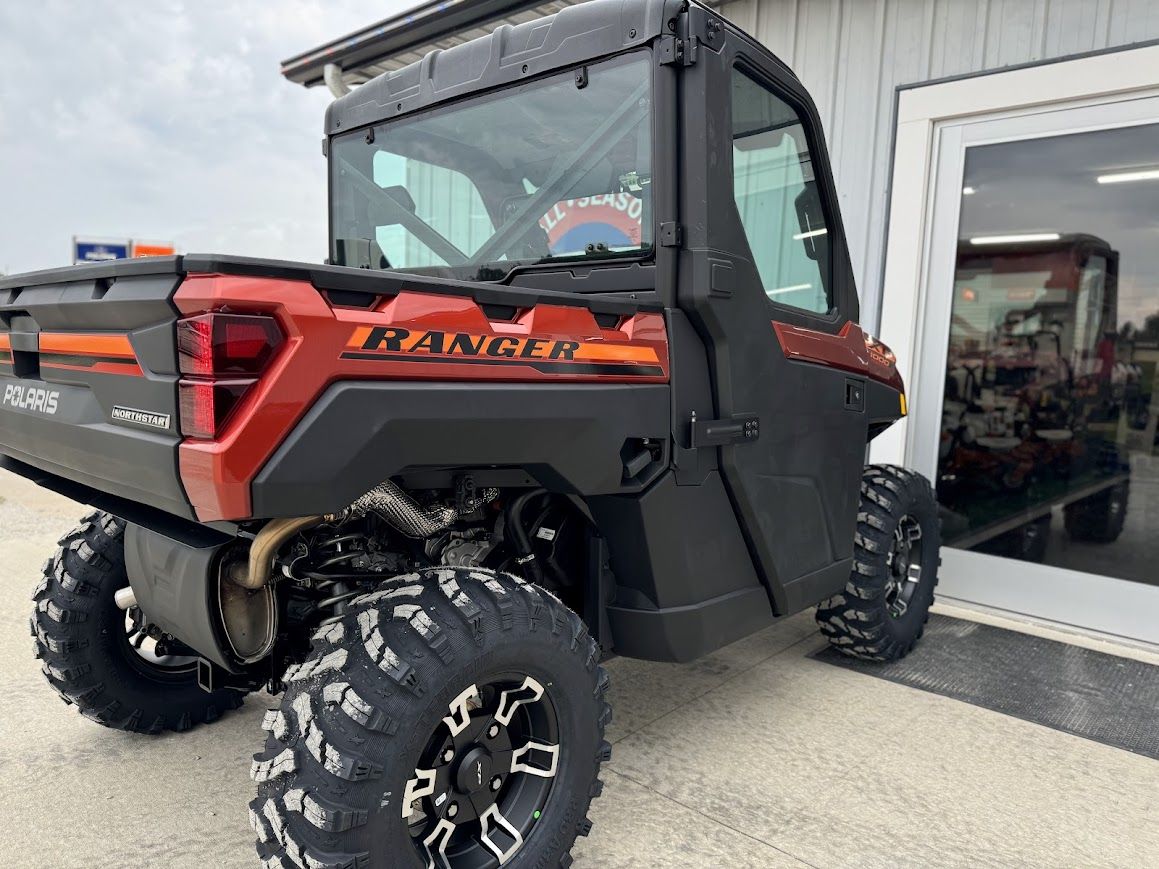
<point x="677" y="49"/>
<point x="671" y="234"/>
<point x="739" y="429"/>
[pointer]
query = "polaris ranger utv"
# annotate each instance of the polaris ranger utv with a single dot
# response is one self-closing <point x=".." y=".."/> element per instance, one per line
<point x="583" y="377"/>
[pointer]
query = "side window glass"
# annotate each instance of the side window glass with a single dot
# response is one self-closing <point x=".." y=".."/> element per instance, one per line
<point x="778" y="198"/>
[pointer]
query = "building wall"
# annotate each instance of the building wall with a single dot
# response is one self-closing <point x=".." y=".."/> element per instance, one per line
<point x="853" y="54"/>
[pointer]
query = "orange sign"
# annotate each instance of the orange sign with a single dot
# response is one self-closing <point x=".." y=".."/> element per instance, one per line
<point x="153" y="248"/>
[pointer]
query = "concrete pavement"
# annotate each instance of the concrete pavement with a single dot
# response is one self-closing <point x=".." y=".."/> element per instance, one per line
<point x="756" y="756"/>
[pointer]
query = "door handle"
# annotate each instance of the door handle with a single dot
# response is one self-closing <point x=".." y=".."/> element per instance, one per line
<point x="738" y="429"/>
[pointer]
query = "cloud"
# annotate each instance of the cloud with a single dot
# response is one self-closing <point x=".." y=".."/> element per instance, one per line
<point x="164" y="120"/>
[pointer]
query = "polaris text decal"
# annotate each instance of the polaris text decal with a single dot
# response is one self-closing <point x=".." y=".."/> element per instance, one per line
<point x="547" y="355"/>
<point x="141" y="417"/>
<point x="31" y="398"/>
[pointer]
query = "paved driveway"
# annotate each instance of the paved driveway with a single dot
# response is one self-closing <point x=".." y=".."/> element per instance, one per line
<point x="756" y="756"/>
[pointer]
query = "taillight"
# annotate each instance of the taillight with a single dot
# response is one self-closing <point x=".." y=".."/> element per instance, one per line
<point x="213" y="350"/>
<point x="214" y="344"/>
<point x="207" y="404"/>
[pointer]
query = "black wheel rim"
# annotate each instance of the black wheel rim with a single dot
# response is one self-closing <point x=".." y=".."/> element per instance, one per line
<point x="485" y="776"/>
<point x="905" y="566"/>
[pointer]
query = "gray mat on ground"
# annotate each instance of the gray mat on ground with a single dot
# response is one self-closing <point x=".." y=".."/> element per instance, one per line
<point x="1091" y="694"/>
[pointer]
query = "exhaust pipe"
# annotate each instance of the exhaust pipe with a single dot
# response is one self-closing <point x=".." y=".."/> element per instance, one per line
<point x="386" y="499"/>
<point x="256" y="573"/>
<point x="407" y="515"/>
<point x="248" y="608"/>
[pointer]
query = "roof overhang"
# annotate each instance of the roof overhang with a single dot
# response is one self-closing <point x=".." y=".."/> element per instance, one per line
<point x="396" y="42"/>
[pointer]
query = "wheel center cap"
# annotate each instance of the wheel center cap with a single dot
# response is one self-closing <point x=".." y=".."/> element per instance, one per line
<point x="900" y="564"/>
<point x="474" y="773"/>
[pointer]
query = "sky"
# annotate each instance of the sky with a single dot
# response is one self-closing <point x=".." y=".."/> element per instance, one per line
<point x="164" y="120"/>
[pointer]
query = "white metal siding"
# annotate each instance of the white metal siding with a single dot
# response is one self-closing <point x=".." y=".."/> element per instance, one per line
<point x="852" y="55"/>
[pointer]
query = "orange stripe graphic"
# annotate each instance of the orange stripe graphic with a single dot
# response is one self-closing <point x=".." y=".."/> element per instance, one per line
<point x="80" y="344"/>
<point x="615" y="353"/>
<point x="359" y="337"/>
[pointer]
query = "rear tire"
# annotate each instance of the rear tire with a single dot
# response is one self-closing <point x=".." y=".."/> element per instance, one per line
<point x="363" y="766"/>
<point x="84" y="648"/>
<point x="882" y="613"/>
<point x="1099" y="518"/>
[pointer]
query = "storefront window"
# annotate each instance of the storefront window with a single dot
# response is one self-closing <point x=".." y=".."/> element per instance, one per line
<point x="1049" y="426"/>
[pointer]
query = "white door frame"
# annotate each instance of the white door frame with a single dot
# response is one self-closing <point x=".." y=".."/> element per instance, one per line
<point x="927" y="117"/>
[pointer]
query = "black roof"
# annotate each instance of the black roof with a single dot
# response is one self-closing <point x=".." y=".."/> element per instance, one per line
<point x="403" y="39"/>
<point x="578" y="33"/>
<point x="395" y="42"/>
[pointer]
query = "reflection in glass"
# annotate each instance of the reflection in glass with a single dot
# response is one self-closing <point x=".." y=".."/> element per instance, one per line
<point x="554" y="170"/>
<point x="1048" y="429"/>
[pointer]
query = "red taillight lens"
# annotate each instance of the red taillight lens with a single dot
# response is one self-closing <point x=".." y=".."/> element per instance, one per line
<point x="214" y="344"/>
<point x="207" y="404"/>
<point x="212" y="350"/>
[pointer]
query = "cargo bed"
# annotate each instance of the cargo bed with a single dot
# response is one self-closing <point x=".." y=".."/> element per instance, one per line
<point x="89" y="368"/>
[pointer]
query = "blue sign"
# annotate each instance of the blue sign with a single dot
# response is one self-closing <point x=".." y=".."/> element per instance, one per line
<point x="93" y="250"/>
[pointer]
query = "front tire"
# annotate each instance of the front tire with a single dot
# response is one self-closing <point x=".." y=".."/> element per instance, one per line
<point x="882" y="613"/>
<point x="86" y="647"/>
<point x="455" y="717"/>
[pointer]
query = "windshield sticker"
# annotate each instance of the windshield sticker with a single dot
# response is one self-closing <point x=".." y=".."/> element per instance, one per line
<point x="613" y="220"/>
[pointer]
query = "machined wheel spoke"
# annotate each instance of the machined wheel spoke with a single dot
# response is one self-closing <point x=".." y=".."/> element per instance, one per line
<point x="900" y="606"/>
<point x="914" y="574"/>
<point x="493" y="817"/>
<point x="552" y="751"/>
<point x="913" y="531"/>
<point x="422" y="785"/>
<point x="494" y="759"/>
<point x="440" y="835"/>
<point x="460" y="709"/>
<point x="529" y="692"/>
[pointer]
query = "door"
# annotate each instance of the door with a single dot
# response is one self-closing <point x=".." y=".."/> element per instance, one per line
<point x="763" y="266"/>
<point x="1042" y="317"/>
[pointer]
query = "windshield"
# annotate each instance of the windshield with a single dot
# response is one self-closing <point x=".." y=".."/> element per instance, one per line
<point x="559" y="169"/>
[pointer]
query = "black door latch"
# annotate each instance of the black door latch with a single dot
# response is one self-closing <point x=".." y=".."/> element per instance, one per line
<point x="739" y="429"/>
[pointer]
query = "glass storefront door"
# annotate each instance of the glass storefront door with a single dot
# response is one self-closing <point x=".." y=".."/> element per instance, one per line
<point x="1042" y="428"/>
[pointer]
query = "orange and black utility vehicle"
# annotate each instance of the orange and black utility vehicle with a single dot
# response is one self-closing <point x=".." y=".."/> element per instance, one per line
<point x="582" y="376"/>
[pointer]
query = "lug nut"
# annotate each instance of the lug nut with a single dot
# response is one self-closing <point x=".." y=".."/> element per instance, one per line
<point x="452" y="810"/>
<point x="496" y="783"/>
<point x="492" y="731"/>
<point x="448" y="755"/>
